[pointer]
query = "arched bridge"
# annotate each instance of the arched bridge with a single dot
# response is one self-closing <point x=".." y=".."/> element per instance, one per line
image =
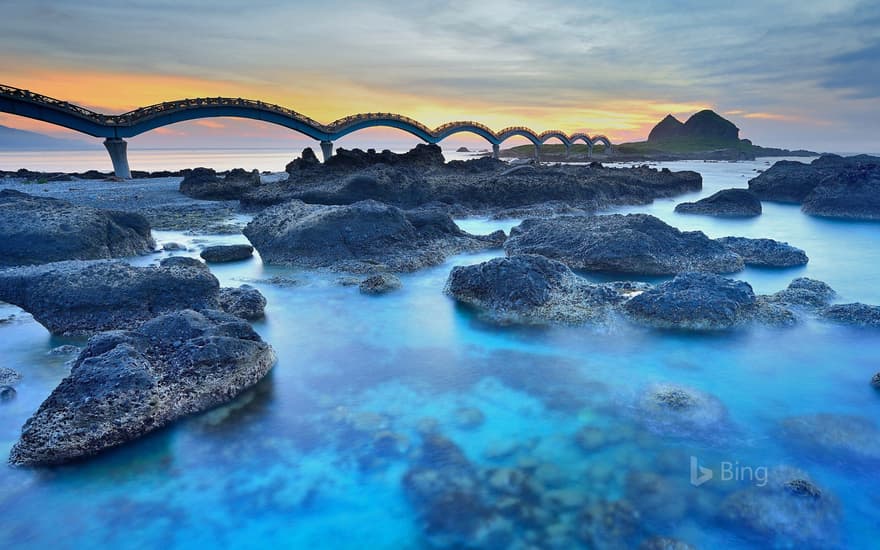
<point x="115" y="128"/>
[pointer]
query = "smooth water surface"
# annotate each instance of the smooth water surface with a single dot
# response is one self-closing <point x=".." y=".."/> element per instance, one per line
<point x="295" y="462"/>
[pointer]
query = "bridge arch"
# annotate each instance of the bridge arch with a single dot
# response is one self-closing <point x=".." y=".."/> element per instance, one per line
<point x="555" y="134"/>
<point x="351" y="124"/>
<point x="451" y="128"/>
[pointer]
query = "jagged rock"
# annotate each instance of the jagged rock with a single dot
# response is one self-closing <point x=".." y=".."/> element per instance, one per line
<point x="363" y="237"/>
<point x="67" y="349"/>
<point x="804" y="292"/>
<point x="534" y="289"/>
<point x="694" y="301"/>
<point x="765" y="252"/>
<point x="37" y="230"/>
<point x="245" y="301"/>
<point x="205" y="184"/>
<point x="727" y="202"/>
<point x="227" y="253"/>
<point x="422" y="156"/>
<point x="307" y="161"/>
<point x="127" y="384"/>
<point x="680" y="410"/>
<point x="862" y="315"/>
<point x="845" y="187"/>
<point x="788" y="510"/>
<point x="839" y="438"/>
<point x="633" y="243"/>
<point x="86" y="297"/>
<point x="381" y="283"/>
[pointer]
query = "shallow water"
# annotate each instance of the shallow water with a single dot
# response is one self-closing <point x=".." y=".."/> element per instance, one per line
<point x="292" y="462"/>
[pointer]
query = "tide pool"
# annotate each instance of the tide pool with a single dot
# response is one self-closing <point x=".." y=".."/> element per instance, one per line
<point x="317" y="455"/>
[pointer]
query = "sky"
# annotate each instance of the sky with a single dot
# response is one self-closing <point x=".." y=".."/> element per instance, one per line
<point x="797" y="74"/>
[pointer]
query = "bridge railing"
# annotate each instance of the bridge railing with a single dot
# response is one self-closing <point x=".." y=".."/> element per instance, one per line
<point x="34" y="97"/>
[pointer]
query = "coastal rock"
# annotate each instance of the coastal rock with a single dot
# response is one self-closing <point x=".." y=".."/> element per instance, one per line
<point x="861" y="315"/>
<point x="804" y="292"/>
<point x="380" y="283"/>
<point x="534" y="289"/>
<point x="422" y="156"/>
<point x="127" y="384"/>
<point x="765" y="252"/>
<point x="363" y="237"/>
<point x="843" y="187"/>
<point x="307" y="161"/>
<point x="472" y="186"/>
<point x="875" y="381"/>
<point x="694" y="301"/>
<point x="227" y="253"/>
<point x="633" y="243"/>
<point x="183" y="261"/>
<point x="9" y="377"/>
<point x="7" y="393"/>
<point x="788" y="510"/>
<point x="206" y="184"/>
<point x="76" y="297"/>
<point x="727" y="202"/>
<point x="839" y="438"/>
<point x="37" y="230"/>
<point x="245" y="301"/>
<point x="682" y="411"/>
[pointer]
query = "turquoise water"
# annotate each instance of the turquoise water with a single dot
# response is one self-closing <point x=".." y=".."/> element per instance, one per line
<point x="294" y="461"/>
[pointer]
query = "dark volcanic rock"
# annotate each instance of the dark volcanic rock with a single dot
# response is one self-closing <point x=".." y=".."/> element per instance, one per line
<point x="86" y="297"/>
<point x="727" y="202"/>
<point x="533" y="289"/>
<point x="127" y="384"/>
<point x="204" y="183"/>
<point x="245" y="301"/>
<point x="765" y="252"/>
<point x="680" y="410"/>
<point x="844" y="187"/>
<point x="8" y="377"/>
<point x="786" y="510"/>
<point x="857" y="314"/>
<point x="422" y="156"/>
<point x="695" y="301"/>
<point x="634" y="243"/>
<point x="227" y="253"/>
<point x="363" y="237"/>
<point x="380" y="283"/>
<point x="804" y="292"/>
<point x="472" y="186"/>
<point x="183" y="261"/>
<point x="875" y="381"/>
<point x="36" y="230"/>
<point x="307" y="161"/>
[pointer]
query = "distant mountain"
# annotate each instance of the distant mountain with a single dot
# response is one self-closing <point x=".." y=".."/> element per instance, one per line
<point x="12" y="139"/>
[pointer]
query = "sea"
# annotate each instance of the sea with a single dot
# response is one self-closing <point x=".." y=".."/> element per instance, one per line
<point x="302" y="459"/>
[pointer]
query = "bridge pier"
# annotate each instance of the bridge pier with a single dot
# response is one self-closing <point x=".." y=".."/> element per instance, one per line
<point x="496" y="151"/>
<point x="589" y="150"/>
<point x="326" y="149"/>
<point x="567" y="151"/>
<point x="118" y="149"/>
<point x="537" y="152"/>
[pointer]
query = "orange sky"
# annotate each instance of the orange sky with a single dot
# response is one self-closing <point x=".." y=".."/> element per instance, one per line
<point x="325" y="99"/>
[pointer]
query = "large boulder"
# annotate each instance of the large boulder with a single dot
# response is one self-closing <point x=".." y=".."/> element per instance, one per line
<point x="206" y="184"/>
<point x="37" y="230"/>
<point x="76" y="298"/>
<point x="694" y="301"/>
<point x="533" y="289"/>
<point x="362" y="237"/>
<point x="245" y="301"/>
<point x="380" y="283"/>
<point x="765" y="252"/>
<point x="727" y="202"/>
<point x="857" y="314"/>
<point x="843" y="187"/>
<point x="803" y="292"/>
<point x="227" y="253"/>
<point x="128" y="383"/>
<point x="307" y="161"/>
<point x="633" y="243"/>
